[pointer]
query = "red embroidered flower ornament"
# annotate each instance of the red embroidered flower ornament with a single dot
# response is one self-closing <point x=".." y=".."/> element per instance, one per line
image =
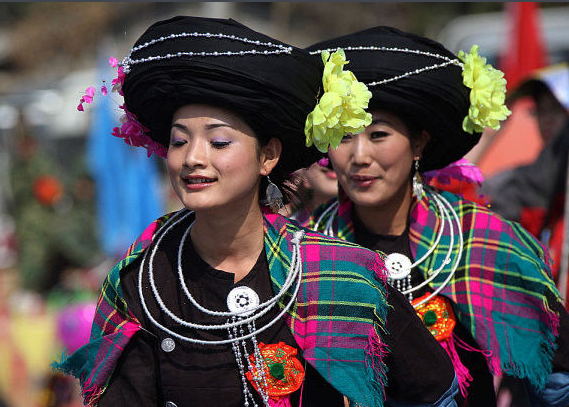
<point x="437" y="315"/>
<point x="283" y="371"/>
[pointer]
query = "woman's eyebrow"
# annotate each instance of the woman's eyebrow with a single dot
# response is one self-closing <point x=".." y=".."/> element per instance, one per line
<point x="216" y="125"/>
<point x="381" y="121"/>
<point x="180" y="126"/>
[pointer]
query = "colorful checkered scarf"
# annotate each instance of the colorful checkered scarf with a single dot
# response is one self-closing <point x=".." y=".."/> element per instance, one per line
<point x="499" y="289"/>
<point x="336" y="320"/>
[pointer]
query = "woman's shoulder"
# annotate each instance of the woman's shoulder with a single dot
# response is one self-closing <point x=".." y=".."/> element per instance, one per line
<point x="323" y="248"/>
<point x="143" y="241"/>
<point x="482" y="223"/>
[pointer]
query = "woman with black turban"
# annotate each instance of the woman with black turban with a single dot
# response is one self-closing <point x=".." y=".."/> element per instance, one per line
<point x="481" y="284"/>
<point x="226" y="303"/>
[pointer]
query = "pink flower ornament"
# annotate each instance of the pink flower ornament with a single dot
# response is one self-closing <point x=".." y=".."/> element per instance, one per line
<point x="131" y="130"/>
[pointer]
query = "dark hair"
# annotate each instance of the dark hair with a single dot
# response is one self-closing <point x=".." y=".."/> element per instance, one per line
<point x="282" y="179"/>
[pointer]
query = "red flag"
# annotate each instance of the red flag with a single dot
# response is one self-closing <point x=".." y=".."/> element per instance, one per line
<point x="524" y="51"/>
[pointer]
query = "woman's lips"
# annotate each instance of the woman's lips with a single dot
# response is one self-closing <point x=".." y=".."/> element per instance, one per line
<point x="362" y="180"/>
<point x="329" y="173"/>
<point x="195" y="183"/>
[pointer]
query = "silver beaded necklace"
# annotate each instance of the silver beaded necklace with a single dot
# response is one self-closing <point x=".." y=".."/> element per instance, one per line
<point x="399" y="266"/>
<point x="242" y="301"/>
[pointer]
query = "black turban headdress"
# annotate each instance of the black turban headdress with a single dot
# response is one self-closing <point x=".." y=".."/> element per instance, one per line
<point x="433" y="100"/>
<point x="271" y="85"/>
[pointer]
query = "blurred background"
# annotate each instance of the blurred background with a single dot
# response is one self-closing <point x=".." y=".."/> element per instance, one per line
<point x="73" y="198"/>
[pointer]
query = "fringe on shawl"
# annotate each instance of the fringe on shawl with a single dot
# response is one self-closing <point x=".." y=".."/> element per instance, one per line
<point x="68" y="365"/>
<point x="76" y="365"/>
<point x="536" y="365"/>
<point x="376" y="350"/>
<point x="280" y="402"/>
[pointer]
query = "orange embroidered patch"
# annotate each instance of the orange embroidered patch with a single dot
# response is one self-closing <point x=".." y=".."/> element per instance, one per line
<point x="437" y="315"/>
<point x="283" y="371"/>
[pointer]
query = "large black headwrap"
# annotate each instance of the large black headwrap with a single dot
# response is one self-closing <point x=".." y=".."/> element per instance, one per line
<point x="273" y="93"/>
<point x="434" y="100"/>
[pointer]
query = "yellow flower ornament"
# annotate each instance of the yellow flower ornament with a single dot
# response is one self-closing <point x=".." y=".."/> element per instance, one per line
<point x="341" y="109"/>
<point x="487" y="94"/>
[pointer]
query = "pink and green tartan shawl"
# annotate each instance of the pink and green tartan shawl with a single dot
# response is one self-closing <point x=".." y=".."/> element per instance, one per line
<point x="337" y="319"/>
<point x="499" y="289"/>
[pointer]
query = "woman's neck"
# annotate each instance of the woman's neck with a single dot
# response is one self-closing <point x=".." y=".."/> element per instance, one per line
<point x="230" y="241"/>
<point x="387" y="218"/>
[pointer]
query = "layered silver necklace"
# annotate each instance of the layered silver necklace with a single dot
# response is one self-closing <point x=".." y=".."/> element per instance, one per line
<point x="399" y="266"/>
<point x="244" y="309"/>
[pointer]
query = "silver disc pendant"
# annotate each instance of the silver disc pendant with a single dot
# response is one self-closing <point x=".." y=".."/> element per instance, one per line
<point x="168" y="345"/>
<point x="398" y="266"/>
<point x="242" y="299"/>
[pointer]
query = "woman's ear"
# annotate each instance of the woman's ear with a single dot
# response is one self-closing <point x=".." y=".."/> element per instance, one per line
<point x="270" y="154"/>
<point x="420" y="143"/>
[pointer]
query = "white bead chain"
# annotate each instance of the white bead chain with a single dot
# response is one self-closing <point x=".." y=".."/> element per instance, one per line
<point x="127" y="61"/>
<point x="288" y="282"/>
<point x="448" y="61"/>
<point x="385" y="49"/>
<point x="407" y="74"/>
<point x="295" y="271"/>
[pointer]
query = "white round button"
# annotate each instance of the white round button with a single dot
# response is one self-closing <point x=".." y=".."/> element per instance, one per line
<point x="168" y="344"/>
<point x="398" y="266"/>
<point x="242" y="299"/>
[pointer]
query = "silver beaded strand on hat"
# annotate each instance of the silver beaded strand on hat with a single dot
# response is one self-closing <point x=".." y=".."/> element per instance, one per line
<point x="272" y="49"/>
<point x="243" y="304"/>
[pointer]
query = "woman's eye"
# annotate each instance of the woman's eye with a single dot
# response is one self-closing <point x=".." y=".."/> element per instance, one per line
<point x="220" y="144"/>
<point x="347" y="137"/>
<point x="378" y="134"/>
<point x="177" y="142"/>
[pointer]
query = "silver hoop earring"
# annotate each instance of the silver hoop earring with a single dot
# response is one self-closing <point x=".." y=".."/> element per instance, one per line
<point x="417" y="182"/>
<point x="273" y="196"/>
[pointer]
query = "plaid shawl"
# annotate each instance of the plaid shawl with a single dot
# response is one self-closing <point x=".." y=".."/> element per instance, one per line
<point x="499" y="289"/>
<point x="337" y="319"/>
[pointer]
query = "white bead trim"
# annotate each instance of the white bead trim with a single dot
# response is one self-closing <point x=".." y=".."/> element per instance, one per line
<point x="448" y="61"/>
<point x="127" y="62"/>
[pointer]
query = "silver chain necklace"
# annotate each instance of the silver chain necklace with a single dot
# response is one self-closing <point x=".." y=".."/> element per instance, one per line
<point x="400" y="266"/>
<point x="242" y="301"/>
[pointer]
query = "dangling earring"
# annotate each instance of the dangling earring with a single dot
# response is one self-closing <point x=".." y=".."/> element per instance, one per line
<point x="273" y="196"/>
<point x="417" y="182"/>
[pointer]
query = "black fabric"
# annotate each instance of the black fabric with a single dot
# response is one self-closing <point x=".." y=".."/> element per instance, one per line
<point x="273" y="94"/>
<point x="481" y="390"/>
<point x="196" y="375"/>
<point x="434" y="100"/>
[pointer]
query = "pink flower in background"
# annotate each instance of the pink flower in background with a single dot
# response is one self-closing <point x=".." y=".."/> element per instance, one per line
<point x="89" y="94"/>
<point x="80" y="107"/>
<point x="113" y="62"/>
<point x="104" y="90"/>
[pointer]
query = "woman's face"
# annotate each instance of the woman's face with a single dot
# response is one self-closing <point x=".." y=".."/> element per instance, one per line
<point x="322" y="180"/>
<point x="374" y="167"/>
<point x="214" y="159"/>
